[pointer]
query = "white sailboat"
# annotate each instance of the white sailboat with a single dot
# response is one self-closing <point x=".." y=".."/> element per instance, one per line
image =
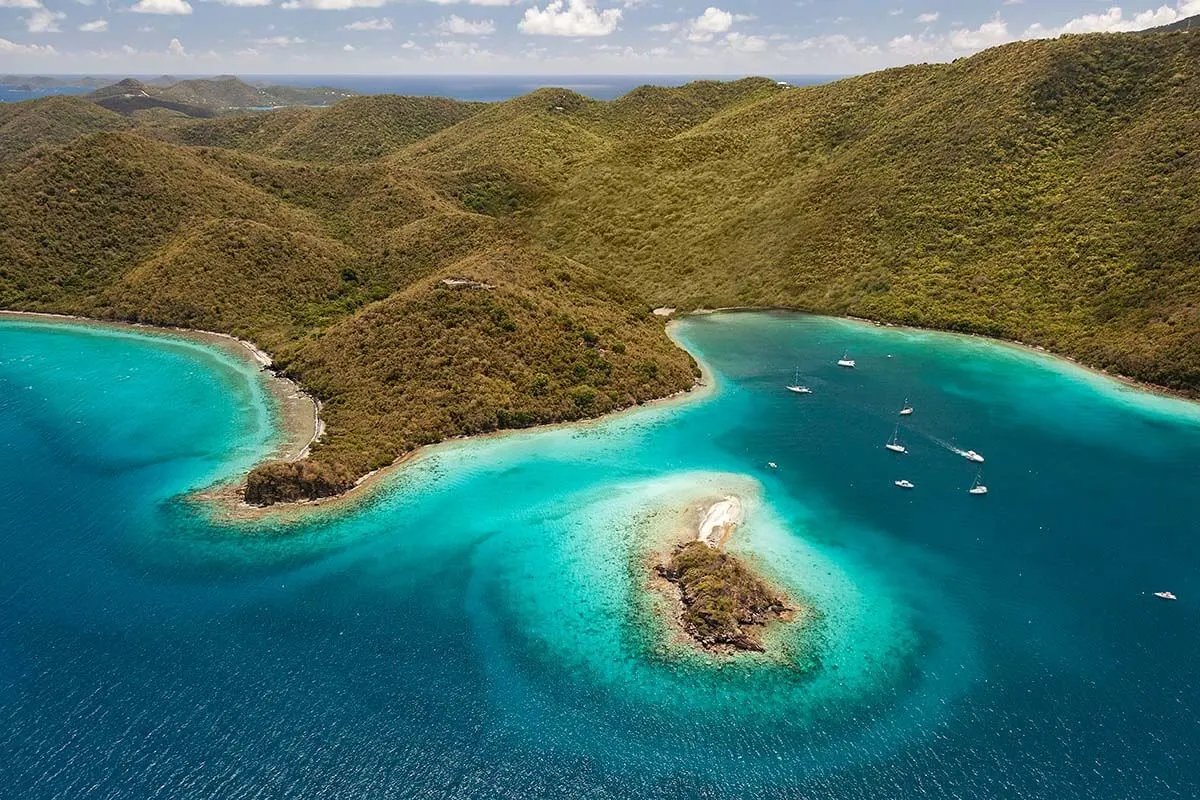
<point x="906" y="410"/>
<point x="796" y="387"/>
<point x="1166" y="595"/>
<point x="894" y="443"/>
<point x="846" y="360"/>
<point x="977" y="487"/>
<point x="903" y="484"/>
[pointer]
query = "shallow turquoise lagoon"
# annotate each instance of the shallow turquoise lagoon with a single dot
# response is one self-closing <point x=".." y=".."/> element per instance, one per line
<point x="476" y="628"/>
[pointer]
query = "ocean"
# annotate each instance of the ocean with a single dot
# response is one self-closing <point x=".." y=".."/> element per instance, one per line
<point x="487" y="88"/>
<point x="476" y="627"/>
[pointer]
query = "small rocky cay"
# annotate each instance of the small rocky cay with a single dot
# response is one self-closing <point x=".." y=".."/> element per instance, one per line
<point x="723" y="605"/>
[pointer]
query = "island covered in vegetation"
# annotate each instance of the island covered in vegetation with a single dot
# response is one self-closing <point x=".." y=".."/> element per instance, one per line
<point x="428" y="268"/>
<point x="722" y="605"/>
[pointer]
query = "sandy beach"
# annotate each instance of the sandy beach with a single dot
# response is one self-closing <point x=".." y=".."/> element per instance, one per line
<point x="719" y="522"/>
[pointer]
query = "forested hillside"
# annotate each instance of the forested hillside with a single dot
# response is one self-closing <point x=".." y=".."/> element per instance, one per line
<point x="432" y="268"/>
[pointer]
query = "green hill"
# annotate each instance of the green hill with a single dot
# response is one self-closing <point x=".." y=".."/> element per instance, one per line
<point x="50" y="121"/>
<point x="432" y="268"/>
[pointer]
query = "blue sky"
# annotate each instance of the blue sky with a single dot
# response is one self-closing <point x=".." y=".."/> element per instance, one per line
<point x="533" y="36"/>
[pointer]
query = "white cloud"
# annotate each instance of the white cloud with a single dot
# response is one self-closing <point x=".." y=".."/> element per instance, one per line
<point x="43" y="20"/>
<point x="929" y="16"/>
<point x="476" y="2"/>
<point x="13" y="48"/>
<point x="279" y="41"/>
<point x="349" y="48"/>
<point x="96" y="26"/>
<point x="1114" y="21"/>
<point x="382" y="24"/>
<point x="20" y="4"/>
<point x="245" y="3"/>
<point x="713" y="21"/>
<point x="745" y="44"/>
<point x="570" y="18"/>
<point x="161" y="7"/>
<point x="331" y="5"/>
<point x="989" y="34"/>
<point x="175" y="48"/>
<point x="457" y="26"/>
<point x="665" y="27"/>
<point x="127" y="50"/>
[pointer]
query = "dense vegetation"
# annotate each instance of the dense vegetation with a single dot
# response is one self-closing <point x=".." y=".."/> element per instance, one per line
<point x="1042" y="191"/>
<point x="724" y="604"/>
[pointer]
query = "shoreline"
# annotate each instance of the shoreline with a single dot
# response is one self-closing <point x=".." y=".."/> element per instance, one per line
<point x="297" y="413"/>
<point x="233" y="508"/>
<point x="1131" y="382"/>
<point x="301" y="424"/>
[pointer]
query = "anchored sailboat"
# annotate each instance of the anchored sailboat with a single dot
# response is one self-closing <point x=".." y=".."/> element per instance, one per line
<point x="906" y="410"/>
<point x="796" y="387"/>
<point x="846" y="360"/>
<point x="894" y="443"/>
<point x="977" y="487"/>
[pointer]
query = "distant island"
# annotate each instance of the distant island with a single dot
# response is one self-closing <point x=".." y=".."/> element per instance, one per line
<point x="191" y="98"/>
<point x="429" y="268"/>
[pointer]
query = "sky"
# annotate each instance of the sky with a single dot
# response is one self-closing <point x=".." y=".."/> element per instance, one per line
<point x="531" y="37"/>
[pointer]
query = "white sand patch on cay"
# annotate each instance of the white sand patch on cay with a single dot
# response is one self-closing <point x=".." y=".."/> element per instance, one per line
<point x="720" y="520"/>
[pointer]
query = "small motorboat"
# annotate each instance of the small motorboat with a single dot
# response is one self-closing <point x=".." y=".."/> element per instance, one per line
<point x="894" y="443"/>
<point x="903" y="484"/>
<point x="797" y="387"/>
<point x="1166" y="595"/>
<point x="977" y="487"/>
<point x="971" y="455"/>
<point x="772" y="465"/>
<point x="846" y="361"/>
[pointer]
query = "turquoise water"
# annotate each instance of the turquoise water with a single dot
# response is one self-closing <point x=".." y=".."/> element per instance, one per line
<point x="476" y="628"/>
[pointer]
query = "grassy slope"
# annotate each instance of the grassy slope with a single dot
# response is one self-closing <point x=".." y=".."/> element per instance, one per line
<point x="1042" y="191"/>
<point x="50" y="121"/>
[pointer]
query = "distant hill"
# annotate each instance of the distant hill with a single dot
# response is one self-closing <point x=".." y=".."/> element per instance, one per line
<point x="204" y="98"/>
<point x="30" y="82"/>
<point x="50" y="121"/>
<point x="431" y="268"/>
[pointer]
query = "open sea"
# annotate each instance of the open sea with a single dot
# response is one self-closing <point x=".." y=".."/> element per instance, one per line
<point x="487" y="88"/>
<point x="477" y="628"/>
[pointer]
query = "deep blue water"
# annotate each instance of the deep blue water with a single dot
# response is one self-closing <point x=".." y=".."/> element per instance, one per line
<point x="460" y="87"/>
<point x="473" y="630"/>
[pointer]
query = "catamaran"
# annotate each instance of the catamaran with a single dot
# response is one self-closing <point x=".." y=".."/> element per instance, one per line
<point x="894" y="443"/>
<point x="971" y="455"/>
<point x="1166" y="595"/>
<point x="977" y="487"/>
<point x="906" y="410"/>
<point x="846" y="361"/>
<point x="903" y="484"/>
<point x="796" y="387"/>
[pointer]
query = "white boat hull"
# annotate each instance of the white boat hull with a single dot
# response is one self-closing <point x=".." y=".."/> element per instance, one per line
<point x="896" y="448"/>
